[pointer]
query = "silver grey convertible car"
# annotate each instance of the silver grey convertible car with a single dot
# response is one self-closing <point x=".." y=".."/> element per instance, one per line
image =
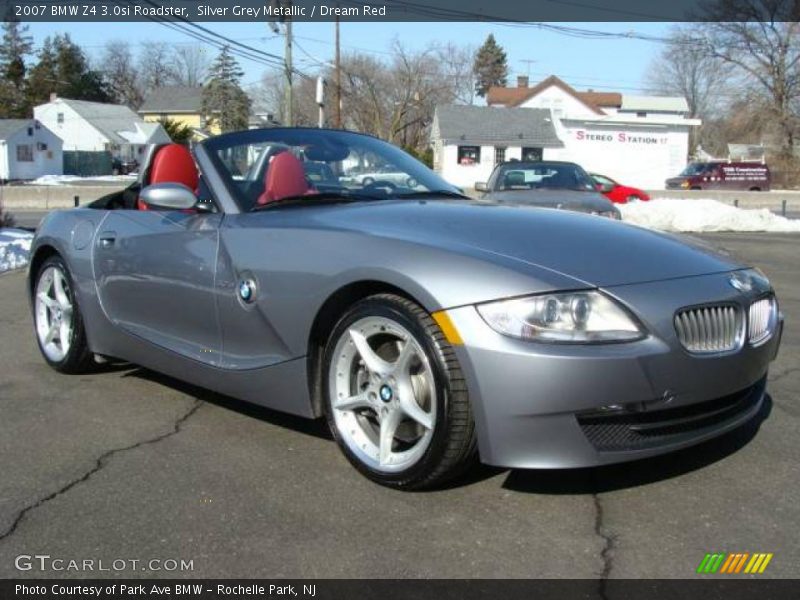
<point x="428" y="329"/>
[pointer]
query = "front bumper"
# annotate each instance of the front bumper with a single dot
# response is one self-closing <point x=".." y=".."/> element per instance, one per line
<point x="558" y="406"/>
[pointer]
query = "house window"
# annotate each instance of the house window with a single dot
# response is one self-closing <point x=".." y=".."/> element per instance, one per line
<point x="641" y="114"/>
<point x="60" y="118"/>
<point x="24" y="153"/>
<point x="469" y="155"/>
<point x="499" y="154"/>
<point x="30" y="131"/>
<point x="530" y="154"/>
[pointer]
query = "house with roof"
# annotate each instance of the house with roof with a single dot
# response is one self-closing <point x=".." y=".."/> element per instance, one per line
<point x="468" y="141"/>
<point x="182" y="104"/>
<point x="98" y="127"/>
<point x="639" y="140"/>
<point x="28" y="150"/>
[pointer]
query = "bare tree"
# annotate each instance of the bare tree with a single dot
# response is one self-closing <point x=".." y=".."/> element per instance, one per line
<point x="395" y="99"/>
<point x="761" y="40"/>
<point x="155" y="69"/>
<point x="686" y="68"/>
<point x="456" y="64"/>
<point x="392" y="98"/>
<point x="189" y="65"/>
<point x="268" y="96"/>
<point x="120" y="74"/>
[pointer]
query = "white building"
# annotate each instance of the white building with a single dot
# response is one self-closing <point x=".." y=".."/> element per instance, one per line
<point x="99" y="127"/>
<point x="637" y="140"/>
<point x="468" y="141"/>
<point x="28" y="150"/>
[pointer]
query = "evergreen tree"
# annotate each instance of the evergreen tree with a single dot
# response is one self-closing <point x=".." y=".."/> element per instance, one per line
<point x="490" y="67"/>
<point x="179" y="133"/>
<point x="63" y="68"/>
<point x="224" y="101"/>
<point x="16" y="46"/>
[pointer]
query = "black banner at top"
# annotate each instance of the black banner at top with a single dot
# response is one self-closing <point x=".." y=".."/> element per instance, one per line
<point x="510" y="11"/>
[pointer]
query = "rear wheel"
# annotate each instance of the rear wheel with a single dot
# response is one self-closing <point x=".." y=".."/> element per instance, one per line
<point x="632" y="199"/>
<point x="57" y="319"/>
<point x="395" y="398"/>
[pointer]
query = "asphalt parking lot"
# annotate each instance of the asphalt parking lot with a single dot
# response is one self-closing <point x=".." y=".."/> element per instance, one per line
<point x="126" y="464"/>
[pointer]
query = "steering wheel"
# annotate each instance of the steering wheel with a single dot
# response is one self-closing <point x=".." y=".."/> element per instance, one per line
<point x="380" y="184"/>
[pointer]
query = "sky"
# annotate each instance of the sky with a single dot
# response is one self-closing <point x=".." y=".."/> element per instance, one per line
<point x="601" y="64"/>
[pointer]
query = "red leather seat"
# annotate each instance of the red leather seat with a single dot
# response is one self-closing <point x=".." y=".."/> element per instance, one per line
<point x="173" y="164"/>
<point x="285" y="177"/>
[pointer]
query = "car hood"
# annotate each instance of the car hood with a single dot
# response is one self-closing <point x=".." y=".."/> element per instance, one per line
<point x="566" y="199"/>
<point x="590" y="249"/>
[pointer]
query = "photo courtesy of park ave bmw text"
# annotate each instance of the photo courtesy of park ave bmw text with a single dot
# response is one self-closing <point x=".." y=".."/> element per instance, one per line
<point x="347" y="299"/>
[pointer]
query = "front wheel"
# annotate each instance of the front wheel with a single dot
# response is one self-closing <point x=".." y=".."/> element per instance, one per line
<point x="58" y="320"/>
<point x="395" y="398"/>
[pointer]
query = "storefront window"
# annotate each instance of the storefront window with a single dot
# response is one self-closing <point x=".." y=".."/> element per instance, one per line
<point x="469" y="155"/>
<point x="530" y="154"/>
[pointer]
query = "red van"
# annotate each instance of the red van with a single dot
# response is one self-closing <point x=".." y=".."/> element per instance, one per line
<point x="720" y="175"/>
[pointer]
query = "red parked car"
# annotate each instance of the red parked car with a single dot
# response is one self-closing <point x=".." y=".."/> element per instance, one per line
<point x="616" y="192"/>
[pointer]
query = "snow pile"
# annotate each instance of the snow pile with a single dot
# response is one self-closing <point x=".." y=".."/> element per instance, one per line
<point x="70" y="179"/>
<point x="667" y="214"/>
<point x="15" y="247"/>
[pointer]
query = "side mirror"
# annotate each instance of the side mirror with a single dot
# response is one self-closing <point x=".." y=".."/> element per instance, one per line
<point x="168" y="196"/>
<point x="481" y="186"/>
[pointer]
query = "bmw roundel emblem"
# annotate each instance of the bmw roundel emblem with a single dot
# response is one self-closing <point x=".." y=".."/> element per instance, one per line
<point x="247" y="290"/>
<point x="386" y="393"/>
<point x="740" y="282"/>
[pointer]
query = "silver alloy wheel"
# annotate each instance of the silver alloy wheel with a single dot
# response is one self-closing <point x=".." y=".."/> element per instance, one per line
<point x="53" y="311"/>
<point x="383" y="394"/>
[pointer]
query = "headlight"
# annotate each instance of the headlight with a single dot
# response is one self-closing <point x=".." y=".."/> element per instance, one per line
<point x="575" y="317"/>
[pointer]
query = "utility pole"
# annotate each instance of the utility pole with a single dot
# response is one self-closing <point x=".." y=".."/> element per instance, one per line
<point x="338" y="98"/>
<point x="321" y="101"/>
<point x="287" y="57"/>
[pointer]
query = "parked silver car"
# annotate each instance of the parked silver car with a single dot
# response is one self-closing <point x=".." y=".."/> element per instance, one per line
<point x="547" y="184"/>
<point x="428" y="329"/>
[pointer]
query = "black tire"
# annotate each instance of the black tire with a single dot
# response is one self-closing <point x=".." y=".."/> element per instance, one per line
<point x="453" y="446"/>
<point x="78" y="359"/>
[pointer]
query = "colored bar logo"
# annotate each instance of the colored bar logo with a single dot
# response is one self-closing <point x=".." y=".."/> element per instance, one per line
<point x="734" y="563"/>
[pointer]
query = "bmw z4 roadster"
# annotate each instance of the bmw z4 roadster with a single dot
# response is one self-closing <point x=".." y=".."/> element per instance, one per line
<point x="426" y="328"/>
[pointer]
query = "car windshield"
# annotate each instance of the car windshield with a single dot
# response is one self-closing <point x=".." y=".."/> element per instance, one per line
<point x="696" y="169"/>
<point x="265" y="166"/>
<point x="541" y="175"/>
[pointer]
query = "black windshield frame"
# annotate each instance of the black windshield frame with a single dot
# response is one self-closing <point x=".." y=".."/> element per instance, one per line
<point x="300" y="136"/>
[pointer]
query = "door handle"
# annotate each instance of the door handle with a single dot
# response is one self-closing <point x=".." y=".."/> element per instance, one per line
<point x="107" y="241"/>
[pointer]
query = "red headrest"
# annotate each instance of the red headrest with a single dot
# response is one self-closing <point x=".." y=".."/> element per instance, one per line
<point x="285" y="177"/>
<point x="173" y="164"/>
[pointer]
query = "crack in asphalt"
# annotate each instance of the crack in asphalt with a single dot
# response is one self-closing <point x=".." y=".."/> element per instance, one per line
<point x="99" y="464"/>
<point x="607" y="553"/>
<point x="775" y="378"/>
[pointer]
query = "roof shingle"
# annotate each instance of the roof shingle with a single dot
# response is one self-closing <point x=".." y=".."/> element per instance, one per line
<point x="487" y="125"/>
<point x="173" y="99"/>
<point x="9" y="127"/>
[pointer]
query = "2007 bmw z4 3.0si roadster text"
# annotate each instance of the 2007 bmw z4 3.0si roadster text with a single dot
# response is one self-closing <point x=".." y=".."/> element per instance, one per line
<point x="427" y="328"/>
